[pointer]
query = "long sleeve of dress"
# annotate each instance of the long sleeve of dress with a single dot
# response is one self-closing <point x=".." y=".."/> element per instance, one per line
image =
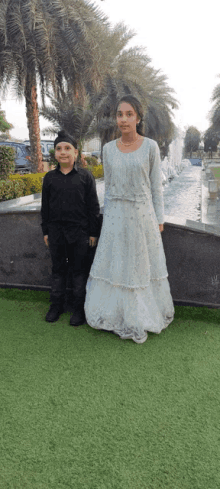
<point x="106" y="168"/>
<point x="156" y="182"/>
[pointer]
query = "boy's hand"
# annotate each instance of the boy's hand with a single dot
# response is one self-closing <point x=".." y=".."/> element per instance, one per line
<point x="46" y="240"/>
<point x="161" y="227"/>
<point x="92" y="241"/>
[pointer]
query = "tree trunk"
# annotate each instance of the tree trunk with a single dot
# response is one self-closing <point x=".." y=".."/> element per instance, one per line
<point x="33" y="123"/>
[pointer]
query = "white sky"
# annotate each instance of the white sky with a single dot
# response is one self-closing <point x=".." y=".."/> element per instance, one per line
<point x="181" y="38"/>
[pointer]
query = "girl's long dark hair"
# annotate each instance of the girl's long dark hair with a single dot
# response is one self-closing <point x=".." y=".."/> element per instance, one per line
<point x="134" y="102"/>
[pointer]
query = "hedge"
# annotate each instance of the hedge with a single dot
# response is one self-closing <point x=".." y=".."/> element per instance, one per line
<point x="11" y="189"/>
<point x="32" y="181"/>
<point x="21" y="185"/>
<point x="97" y="171"/>
<point x="7" y="161"/>
<point x="92" y="161"/>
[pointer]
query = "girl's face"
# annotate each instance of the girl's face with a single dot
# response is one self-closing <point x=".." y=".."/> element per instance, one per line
<point x="65" y="154"/>
<point x="126" y="118"/>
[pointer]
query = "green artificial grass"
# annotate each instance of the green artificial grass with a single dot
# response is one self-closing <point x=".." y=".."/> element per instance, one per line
<point x="83" y="409"/>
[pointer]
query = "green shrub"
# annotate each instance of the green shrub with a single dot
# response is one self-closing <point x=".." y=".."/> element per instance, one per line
<point x="7" y="161"/>
<point x="11" y="189"/>
<point x="97" y="171"/>
<point x="32" y="182"/>
<point x="92" y="161"/>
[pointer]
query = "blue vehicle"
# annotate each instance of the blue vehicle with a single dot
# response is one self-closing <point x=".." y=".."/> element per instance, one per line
<point x="195" y="161"/>
<point x="22" y="156"/>
<point x="46" y="145"/>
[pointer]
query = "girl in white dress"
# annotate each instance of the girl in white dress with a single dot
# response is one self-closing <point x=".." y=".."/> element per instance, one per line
<point x="127" y="291"/>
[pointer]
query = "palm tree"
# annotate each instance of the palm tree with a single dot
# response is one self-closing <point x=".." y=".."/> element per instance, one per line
<point x="75" y="110"/>
<point x="72" y="113"/>
<point x="214" y="114"/>
<point x="158" y="118"/>
<point x="211" y="137"/>
<point x="47" y="42"/>
<point x="90" y="110"/>
<point x="130" y="72"/>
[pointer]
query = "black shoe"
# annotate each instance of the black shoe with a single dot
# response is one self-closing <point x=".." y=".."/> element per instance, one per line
<point x="77" y="318"/>
<point x="54" y="313"/>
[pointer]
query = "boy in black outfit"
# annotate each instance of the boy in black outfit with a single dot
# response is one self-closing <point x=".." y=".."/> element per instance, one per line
<point x="70" y="222"/>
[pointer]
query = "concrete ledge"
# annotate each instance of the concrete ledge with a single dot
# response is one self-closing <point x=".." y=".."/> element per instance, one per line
<point x="195" y="304"/>
<point x="200" y="227"/>
<point x="8" y="204"/>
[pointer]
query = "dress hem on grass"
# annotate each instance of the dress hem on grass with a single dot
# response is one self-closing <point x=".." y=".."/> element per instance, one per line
<point x="129" y="312"/>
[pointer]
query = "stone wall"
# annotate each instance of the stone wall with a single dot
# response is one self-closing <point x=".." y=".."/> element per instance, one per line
<point x="192" y="251"/>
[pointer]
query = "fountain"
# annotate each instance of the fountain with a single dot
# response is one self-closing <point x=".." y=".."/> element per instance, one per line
<point x="172" y="165"/>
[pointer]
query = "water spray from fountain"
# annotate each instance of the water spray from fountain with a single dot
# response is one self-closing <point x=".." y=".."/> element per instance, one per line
<point x="173" y="164"/>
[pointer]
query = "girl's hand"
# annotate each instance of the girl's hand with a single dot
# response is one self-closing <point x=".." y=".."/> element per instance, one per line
<point x="92" y="241"/>
<point x="161" y="228"/>
<point x="46" y="240"/>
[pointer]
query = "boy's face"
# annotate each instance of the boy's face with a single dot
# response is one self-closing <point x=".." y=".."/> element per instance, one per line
<point x="65" y="154"/>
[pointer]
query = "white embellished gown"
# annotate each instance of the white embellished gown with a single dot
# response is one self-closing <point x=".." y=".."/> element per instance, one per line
<point x="127" y="291"/>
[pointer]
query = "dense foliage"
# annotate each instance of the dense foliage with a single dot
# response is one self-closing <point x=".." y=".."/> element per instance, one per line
<point x="54" y="43"/>
<point x="214" y="114"/>
<point x="211" y="140"/>
<point x="7" y="161"/>
<point x="191" y="140"/>
<point x="212" y="135"/>
<point x="11" y="190"/>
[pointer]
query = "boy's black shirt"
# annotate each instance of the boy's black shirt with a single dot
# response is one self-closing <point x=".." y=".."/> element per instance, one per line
<point x="71" y="200"/>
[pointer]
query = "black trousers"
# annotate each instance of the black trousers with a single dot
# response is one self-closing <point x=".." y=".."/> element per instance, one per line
<point x="68" y="259"/>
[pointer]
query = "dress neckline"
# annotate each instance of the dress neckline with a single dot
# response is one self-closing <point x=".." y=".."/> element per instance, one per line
<point x="130" y="151"/>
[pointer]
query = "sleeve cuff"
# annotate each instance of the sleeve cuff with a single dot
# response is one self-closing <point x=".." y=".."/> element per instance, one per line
<point x="44" y="229"/>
